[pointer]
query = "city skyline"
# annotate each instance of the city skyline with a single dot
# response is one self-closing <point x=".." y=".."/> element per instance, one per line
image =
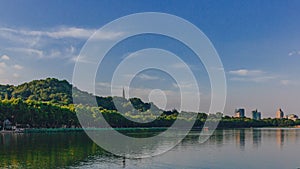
<point x="258" y="45"/>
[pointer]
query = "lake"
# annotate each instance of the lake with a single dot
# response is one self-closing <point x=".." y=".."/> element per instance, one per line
<point x="225" y="149"/>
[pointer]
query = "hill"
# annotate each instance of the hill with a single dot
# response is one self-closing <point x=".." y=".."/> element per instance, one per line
<point x="48" y="103"/>
<point x="49" y="90"/>
<point x="60" y="92"/>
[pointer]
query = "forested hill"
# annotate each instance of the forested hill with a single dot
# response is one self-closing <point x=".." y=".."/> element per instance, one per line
<point x="59" y="92"/>
<point x="50" y="89"/>
<point x="48" y="103"/>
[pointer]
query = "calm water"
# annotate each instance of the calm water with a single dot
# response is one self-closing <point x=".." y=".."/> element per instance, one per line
<point x="232" y="149"/>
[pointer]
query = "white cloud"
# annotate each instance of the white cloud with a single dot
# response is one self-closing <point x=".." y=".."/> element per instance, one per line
<point x="253" y="79"/>
<point x="81" y="33"/>
<point x="148" y="77"/>
<point x="18" y="67"/>
<point x="5" y="57"/>
<point x="245" y="75"/>
<point x="71" y="32"/>
<point x="51" y="43"/>
<point x="245" y="72"/>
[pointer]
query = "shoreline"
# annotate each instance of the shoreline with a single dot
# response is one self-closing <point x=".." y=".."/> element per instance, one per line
<point x="55" y="130"/>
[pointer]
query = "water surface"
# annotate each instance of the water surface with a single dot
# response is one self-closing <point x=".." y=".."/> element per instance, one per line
<point x="226" y="149"/>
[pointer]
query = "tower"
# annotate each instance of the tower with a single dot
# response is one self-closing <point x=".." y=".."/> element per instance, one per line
<point x="123" y="93"/>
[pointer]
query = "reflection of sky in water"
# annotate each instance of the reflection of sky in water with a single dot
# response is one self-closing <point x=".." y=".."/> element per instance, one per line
<point x="238" y="148"/>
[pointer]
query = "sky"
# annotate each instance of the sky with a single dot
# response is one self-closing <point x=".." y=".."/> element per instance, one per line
<point x="257" y="42"/>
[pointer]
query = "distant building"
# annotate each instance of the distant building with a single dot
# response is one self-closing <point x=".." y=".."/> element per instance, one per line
<point x="239" y="113"/>
<point x="279" y="114"/>
<point x="256" y="115"/>
<point x="292" y="117"/>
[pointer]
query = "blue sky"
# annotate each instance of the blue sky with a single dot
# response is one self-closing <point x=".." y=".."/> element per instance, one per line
<point x="257" y="41"/>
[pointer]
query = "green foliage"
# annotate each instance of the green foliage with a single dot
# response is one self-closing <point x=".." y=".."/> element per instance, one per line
<point x="50" y="89"/>
<point x="37" y="114"/>
<point x="48" y="103"/>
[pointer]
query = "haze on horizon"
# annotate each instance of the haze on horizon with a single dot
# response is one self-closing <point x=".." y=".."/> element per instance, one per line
<point x="257" y="41"/>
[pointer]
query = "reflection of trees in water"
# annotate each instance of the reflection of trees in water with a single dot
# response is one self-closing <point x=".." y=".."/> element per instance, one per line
<point x="46" y="150"/>
<point x="219" y="134"/>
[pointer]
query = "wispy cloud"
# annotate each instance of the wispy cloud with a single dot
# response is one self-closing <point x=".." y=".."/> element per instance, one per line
<point x="63" y="32"/>
<point x="293" y="53"/>
<point x="245" y="72"/>
<point x="60" y="42"/>
<point x="245" y="75"/>
<point x="27" y="51"/>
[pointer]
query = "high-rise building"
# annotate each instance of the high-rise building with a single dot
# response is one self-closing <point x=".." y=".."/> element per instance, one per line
<point x="239" y="113"/>
<point x="279" y="114"/>
<point x="256" y="115"/>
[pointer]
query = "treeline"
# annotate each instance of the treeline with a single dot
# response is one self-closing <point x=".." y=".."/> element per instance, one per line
<point x="232" y="122"/>
<point x="48" y="104"/>
<point x="39" y="114"/>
